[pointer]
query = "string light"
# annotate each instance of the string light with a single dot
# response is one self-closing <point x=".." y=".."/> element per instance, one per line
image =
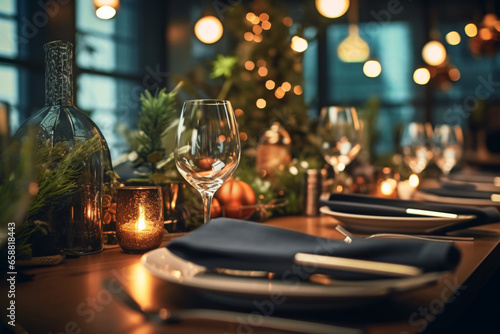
<point x="257" y="29"/>
<point x="434" y="53"/>
<point x="454" y="74"/>
<point x="286" y="86"/>
<point x="257" y="38"/>
<point x="208" y="29"/>
<point x="249" y="65"/>
<point x="470" y="30"/>
<point x="485" y="34"/>
<point x="264" y="17"/>
<point x="453" y="38"/>
<point x="299" y="44"/>
<point x="421" y="76"/>
<point x="261" y="103"/>
<point x="250" y="16"/>
<point x="248" y="36"/>
<point x="266" y="25"/>
<point x="287" y="21"/>
<point x="372" y="68"/>
<point x="279" y="93"/>
<point x="270" y="84"/>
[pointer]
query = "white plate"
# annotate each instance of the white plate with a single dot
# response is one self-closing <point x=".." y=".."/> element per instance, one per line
<point x="171" y="268"/>
<point x="389" y="224"/>
<point x="454" y="200"/>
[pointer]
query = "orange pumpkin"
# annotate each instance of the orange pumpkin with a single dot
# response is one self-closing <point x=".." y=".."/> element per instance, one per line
<point x="234" y="194"/>
<point x="215" y="210"/>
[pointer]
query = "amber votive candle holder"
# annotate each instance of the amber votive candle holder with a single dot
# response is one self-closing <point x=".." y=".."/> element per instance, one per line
<point x="139" y="218"/>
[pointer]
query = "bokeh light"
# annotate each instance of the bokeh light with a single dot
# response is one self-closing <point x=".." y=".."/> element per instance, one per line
<point x="372" y="68"/>
<point x="299" y="44"/>
<point x="270" y="84"/>
<point x="470" y="30"/>
<point x="208" y="29"/>
<point x="453" y="38"/>
<point x="454" y="74"/>
<point x="421" y="76"/>
<point x="249" y="65"/>
<point x="434" y="53"/>
<point x="332" y="8"/>
<point x="261" y="103"/>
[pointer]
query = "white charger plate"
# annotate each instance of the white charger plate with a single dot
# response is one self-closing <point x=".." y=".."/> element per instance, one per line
<point x="390" y="224"/>
<point x="171" y="268"/>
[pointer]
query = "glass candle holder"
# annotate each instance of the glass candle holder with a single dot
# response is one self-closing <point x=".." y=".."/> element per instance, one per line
<point x="139" y="218"/>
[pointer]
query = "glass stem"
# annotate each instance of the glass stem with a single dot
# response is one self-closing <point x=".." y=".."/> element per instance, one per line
<point x="207" y="205"/>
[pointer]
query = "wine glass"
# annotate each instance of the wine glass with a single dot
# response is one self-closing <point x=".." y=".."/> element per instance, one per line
<point x="448" y="143"/>
<point x="207" y="146"/>
<point x="415" y="143"/>
<point x="339" y="133"/>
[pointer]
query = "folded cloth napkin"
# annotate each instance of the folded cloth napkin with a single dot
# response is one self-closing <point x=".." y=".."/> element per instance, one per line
<point x="461" y="192"/>
<point x="237" y="244"/>
<point x="369" y="205"/>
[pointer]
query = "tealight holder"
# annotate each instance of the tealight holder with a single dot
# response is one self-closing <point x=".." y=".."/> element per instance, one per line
<point x="139" y="218"/>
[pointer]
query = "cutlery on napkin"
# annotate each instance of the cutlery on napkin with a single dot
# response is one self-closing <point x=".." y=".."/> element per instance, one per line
<point x="241" y="245"/>
<point x="370" y="205"/>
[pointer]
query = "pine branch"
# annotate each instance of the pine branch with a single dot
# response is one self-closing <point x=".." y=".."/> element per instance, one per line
<point x="157" y="113"/>
<point x="59" y="181"/>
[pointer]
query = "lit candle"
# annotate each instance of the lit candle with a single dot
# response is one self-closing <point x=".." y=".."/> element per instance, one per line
<point x="139" y="218"/>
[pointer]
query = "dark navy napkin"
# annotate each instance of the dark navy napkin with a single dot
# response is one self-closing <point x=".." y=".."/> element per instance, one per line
<point x="370" y="205"/>
<point x="466" y="191"/>
<point x="237" y="244"/>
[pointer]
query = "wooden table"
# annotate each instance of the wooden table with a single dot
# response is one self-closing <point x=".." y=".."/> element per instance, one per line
<point x="70" y="298"/>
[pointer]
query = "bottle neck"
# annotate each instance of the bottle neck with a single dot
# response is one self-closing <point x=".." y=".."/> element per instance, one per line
<point x="58" y="73"/>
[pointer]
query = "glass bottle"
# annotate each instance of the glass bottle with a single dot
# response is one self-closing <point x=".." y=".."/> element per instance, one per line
<point x="70" y="154"/>
<point x="273" y="150"/>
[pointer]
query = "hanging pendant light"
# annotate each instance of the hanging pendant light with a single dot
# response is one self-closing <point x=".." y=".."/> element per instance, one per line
<point x="353" y="49"/>
<point x="106" y="9"/>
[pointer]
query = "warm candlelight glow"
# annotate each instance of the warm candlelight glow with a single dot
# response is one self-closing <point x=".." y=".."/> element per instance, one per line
<point x="386" y="188"/>
<point x="139" y="219"/>
<point x="414" y="181"/>
<point x="141" y="224"/>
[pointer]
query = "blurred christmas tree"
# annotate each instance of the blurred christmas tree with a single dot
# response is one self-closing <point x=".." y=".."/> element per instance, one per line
<point x="266" y="82"/>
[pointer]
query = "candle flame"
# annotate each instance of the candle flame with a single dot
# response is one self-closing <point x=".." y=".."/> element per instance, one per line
<point x="141" y="225"/>
<point x="414" y="181"/>
<point x="386" y="188"/>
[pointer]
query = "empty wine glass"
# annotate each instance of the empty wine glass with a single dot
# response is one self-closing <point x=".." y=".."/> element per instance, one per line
<point x="207" y="146"/>
<point x="416" y="146"/>
<point x="448" y="143"/>
<point x="339" y="132"/>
